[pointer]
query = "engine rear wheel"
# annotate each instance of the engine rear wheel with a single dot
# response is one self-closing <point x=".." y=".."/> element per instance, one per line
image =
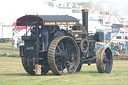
<point x="104" y="60"/>
<point x="63" y="55"/>
<point x="27" y="63"/>
<point x="28" y="66"/>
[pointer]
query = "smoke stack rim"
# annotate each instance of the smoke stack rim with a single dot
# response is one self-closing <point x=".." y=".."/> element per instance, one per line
<point x="84" y="10"/>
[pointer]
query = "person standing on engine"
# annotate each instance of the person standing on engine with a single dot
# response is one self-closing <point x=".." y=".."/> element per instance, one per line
<point x="44" y="35"/>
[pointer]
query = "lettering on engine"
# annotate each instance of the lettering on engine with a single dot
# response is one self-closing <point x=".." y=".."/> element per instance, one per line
<point x="29" y="48"/>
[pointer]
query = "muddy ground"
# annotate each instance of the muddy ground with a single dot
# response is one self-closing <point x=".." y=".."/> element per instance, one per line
<point x="119" y="57"/>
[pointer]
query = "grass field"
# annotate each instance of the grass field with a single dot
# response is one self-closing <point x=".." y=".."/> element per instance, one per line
<point x="6" y="45"/>
<point x="7" y="48"/>
<point x="12" y="73"/>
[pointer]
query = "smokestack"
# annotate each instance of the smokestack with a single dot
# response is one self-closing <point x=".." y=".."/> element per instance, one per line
<point x="85" y="18"/>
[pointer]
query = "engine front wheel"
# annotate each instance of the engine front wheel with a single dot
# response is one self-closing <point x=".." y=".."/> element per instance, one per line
<point x="104" y="60"/>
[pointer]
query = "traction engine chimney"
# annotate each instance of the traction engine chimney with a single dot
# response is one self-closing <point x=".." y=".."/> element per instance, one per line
<point x="85" y="18"/>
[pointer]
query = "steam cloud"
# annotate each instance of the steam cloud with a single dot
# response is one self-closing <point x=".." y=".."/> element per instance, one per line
<point x="120" y="7"/>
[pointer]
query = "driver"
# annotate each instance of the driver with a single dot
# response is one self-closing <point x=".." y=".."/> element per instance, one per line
<point x="44" y="34"/>
<point x="34" y="30"/>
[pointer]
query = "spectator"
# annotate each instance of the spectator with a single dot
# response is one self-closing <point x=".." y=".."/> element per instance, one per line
<point x="13" y="42"/>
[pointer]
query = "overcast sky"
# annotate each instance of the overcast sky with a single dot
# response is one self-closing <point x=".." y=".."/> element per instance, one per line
<point x="10" y="10"/>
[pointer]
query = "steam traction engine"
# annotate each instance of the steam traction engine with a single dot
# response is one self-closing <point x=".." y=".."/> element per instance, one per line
<point x="70" y="45"/>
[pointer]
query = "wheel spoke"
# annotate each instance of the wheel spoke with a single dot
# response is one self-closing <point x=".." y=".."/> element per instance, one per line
<point x="62" y="68"/>
<point x="63" y="46"/>
<point x="70" y="48"/>
<point x="66" y="68"/>
<point x="66" y="50"/>
<point x="70" y="63"/>
<point x="104" y="60"/>
<point x="59" y="49"/>
<point x="57" y="54"/>
<point x="58" y="59"/>
<point x="72" y="55"/>
<point x="67" y="42"/>
<point x="107" y="68"/>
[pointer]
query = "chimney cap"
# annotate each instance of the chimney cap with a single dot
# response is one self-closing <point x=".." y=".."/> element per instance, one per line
<point x="84" y="10"/>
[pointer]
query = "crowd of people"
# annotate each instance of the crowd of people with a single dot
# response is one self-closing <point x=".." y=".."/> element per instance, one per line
<point x="116" y="48"/>
<point x="119" y="48"/>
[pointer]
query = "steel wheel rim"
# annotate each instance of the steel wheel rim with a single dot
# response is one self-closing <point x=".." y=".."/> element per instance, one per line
<point x="104" y="60"/>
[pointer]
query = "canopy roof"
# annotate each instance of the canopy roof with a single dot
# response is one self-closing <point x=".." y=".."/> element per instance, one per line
<point x="46" y="20"/>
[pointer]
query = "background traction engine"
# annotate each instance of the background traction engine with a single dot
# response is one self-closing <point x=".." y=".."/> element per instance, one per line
<point x="69" y="45"/>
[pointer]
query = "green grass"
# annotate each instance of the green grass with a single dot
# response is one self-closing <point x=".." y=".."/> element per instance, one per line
<point x="9" y="51"/>
<point x="6" y="44"/>
<point x="12" y="73"/>
<point x="8" y="48"/>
